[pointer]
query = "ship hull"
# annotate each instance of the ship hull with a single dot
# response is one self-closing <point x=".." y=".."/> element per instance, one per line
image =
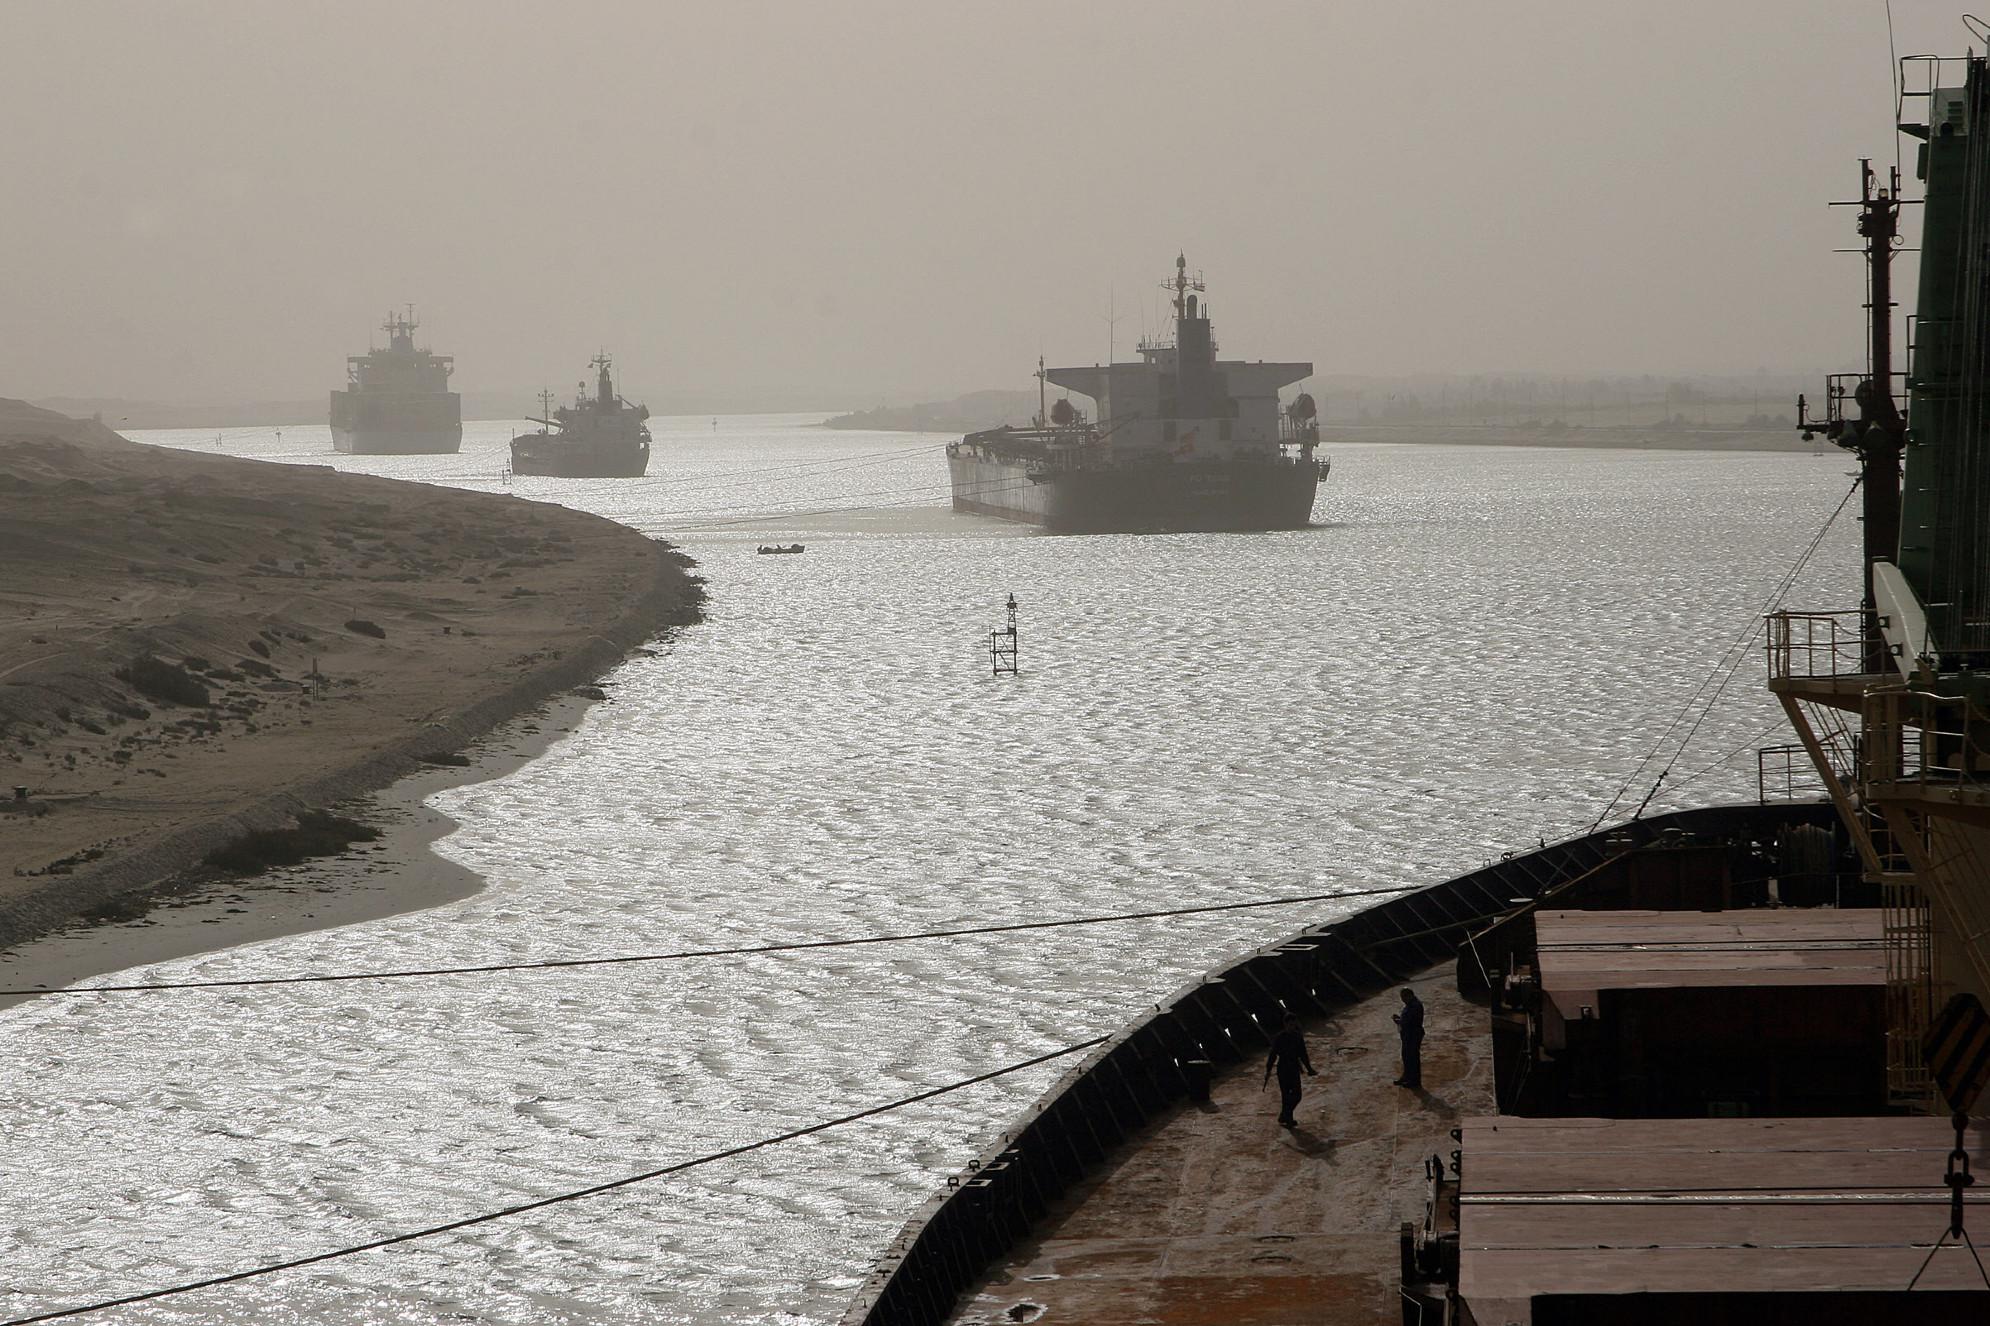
<point x="397" y="441"/>
<point x="1183" y="496"/>
<point x="396" y="424"/>
<point x="559" y="460"/>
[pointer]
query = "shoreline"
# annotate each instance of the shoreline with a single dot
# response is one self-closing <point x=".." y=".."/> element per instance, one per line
<point x="378" y="624"/>
<point x="187" y="916"/>
<point x="61" y="901"/>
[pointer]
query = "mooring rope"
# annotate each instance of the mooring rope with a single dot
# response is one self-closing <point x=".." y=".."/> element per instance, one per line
<point x="552" y="964"/>
<point x="1724" y="669"/>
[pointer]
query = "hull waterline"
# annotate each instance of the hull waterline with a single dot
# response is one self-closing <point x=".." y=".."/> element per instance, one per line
<point x="1178" y="496"/>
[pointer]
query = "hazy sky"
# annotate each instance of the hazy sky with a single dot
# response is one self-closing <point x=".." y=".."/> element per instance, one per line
<point x="206" y="199"/>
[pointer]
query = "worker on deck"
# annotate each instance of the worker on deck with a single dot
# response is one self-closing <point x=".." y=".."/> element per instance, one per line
<point x="1409" y="1028"/>
<point x="1288" y="1056"/>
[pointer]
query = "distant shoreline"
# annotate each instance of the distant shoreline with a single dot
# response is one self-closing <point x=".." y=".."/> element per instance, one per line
<point x="166" y="416"/>
<point x="1497" y="435"/>
<point x="1606" y="439"/>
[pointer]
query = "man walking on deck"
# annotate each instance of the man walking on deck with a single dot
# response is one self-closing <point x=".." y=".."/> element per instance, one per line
<point x="1409" y="1026"/>
<point x="1288" y="1056"/>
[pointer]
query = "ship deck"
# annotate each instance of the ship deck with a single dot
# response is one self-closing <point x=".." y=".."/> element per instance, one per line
<point x="1215" y="1215"/>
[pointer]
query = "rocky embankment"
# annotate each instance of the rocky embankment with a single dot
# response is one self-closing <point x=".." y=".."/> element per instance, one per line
<point x="194" y="648"/>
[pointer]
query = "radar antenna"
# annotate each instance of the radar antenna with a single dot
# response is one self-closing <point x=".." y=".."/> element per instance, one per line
<point x="400" y="329"/>
<point x="1181" y="285"/>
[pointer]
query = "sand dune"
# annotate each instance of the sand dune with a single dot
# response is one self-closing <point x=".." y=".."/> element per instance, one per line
<point x="191" y="646"/>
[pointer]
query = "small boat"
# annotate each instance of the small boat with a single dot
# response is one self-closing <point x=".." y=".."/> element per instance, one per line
<point x="781" y="548"/>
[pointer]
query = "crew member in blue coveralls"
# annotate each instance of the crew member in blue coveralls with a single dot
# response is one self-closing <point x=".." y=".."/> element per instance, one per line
<point x="1288" y="1056"/>
<point x="1409" y="1026"/>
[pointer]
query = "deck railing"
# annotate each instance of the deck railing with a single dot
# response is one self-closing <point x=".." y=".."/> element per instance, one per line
<point x="1787" y="773"/>
<point x="1816" y="644"/>
<point x="1919" y="737"/>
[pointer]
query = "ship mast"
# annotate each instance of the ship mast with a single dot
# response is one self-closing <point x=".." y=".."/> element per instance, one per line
<point x="400" y="329"/>
<point x="1883" y="430"/>
<point x="604" y="390"/>
<point x="1878" y="436"/>
<point x="1181" y="285"/>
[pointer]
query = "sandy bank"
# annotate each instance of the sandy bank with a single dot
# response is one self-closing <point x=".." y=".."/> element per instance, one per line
<point x="342" y="627"/>
<point x="200" y="911"/>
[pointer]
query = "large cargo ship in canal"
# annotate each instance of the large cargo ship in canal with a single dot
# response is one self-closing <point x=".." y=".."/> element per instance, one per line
<point x="598" y="437"/>
<point x="397" y="401"/>
<point x="1180" y="441"/>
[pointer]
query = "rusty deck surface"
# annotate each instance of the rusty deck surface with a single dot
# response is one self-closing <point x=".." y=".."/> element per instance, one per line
<point x="1215" y="1215"/>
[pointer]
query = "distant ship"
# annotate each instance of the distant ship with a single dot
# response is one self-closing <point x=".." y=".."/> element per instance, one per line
<point x="1182" y="441"/>
<point x="397" y="401"/>
<point x="601" y="438"/>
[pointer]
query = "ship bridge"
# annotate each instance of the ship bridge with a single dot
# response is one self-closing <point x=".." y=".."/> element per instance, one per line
<point x="1181" y="396"/>
<point x="1123" y="391"/>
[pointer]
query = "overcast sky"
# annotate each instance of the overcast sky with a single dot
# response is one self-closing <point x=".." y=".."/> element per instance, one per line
<point x="215" y="200"/>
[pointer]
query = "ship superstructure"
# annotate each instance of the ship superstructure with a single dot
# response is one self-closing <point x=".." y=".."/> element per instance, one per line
<point x="397" y="401"/>
<point x="1891" y="700"/>
<point x="1180" y="441"/>
<point x="597" y="437"/>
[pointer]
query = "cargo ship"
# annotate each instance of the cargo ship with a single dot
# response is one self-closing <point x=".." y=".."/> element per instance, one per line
<point x="1180" y="441"/>
<point x="396" y="401"/>
<point x="602" y="437"/>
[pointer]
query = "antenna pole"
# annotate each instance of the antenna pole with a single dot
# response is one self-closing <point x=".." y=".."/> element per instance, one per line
<point x="1881" y="432"/>
<point x="1113" y="318"/>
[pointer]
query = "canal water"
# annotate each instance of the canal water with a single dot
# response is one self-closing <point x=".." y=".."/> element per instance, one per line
<point x="1473" y="649"/>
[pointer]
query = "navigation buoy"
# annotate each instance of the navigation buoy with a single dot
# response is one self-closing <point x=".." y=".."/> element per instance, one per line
<point x="1002" y="646"/>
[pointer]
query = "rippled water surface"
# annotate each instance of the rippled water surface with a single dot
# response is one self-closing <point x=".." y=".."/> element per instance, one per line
<point x="1473" y="648"/>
